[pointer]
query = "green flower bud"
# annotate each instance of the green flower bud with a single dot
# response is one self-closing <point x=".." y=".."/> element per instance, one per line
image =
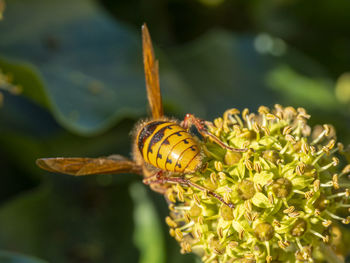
<point x="321" y="203"/>
<point x="271" y="156"/>
<point x="195" y="211"/>
<point x="264" y="231"/>
<point x="226" y="213"/>
<point x="245" y="189"/>
<point x="282" y="187"/>
<point x="299" y="228"/>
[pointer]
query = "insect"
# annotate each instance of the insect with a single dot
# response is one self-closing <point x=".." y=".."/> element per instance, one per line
<point x="163" y="150"/>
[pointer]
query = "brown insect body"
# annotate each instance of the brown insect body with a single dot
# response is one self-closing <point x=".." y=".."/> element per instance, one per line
<point x="163" y="149"/>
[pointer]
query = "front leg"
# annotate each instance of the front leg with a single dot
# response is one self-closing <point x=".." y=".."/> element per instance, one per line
<point x="155" y="182"/>
<point x="190" y="120"/>
<point x="160" y="178"/>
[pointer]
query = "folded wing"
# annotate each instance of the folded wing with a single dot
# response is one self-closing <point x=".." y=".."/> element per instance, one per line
<point x="87" y="166"/>
<point x="152" y="75"/>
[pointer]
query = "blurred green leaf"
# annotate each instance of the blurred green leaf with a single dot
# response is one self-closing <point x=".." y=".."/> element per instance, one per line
<point x="10" y="257"/>
<point x="228" y="71"/>
<point x="74" y="220"/>
<point x="313" y="35"/>
<point x="342" y="89"/>
<point x="89" y="63"/>
<point x="115" y="141"/>
<point x="303" y="90"/>
<point x="25" y="74"/>
<point x="2" y="8"/>
<point x="91" y="66"/>
<point x="148" y="235"/>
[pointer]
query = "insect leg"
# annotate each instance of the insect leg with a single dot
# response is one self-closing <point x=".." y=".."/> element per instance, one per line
<point x="190" y="120"/>
<point x="161" y="179"/>
<point x="151" y="181"/>
<point x="157" y="176"/>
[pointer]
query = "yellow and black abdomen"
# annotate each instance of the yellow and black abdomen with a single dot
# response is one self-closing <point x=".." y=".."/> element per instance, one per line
<point x="168" y="146"/>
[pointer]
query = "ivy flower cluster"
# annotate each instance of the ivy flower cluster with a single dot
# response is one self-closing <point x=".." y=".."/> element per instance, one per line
<point x="287" y="191"/>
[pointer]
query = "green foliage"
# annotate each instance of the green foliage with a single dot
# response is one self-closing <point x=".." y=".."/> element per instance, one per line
<point x="90" y="64"/>
<point x="72" y="222"/>
<point x="299" y="89"/>
<point x="2" y="8"/>
<point x="26" y="74"/>
<point x="239" y="75"/>
<point x="7" y="257"/>
<point x="148" y="234"/>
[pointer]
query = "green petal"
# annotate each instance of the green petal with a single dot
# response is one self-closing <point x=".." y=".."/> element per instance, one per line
<point x="260" y="200"/>
<point x="263" y="177"/>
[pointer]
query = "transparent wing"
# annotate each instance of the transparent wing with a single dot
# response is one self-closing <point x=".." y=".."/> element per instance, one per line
<point x="85" y="166"/>
<point x="151" y="75"/>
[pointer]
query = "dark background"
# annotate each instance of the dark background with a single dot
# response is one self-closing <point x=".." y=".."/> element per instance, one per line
<point x="78" y="65"/>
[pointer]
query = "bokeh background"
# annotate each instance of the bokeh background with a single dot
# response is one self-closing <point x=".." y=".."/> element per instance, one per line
<point x="72" y="84"/>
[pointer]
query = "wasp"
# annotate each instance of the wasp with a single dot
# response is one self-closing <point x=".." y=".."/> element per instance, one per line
<point x="163" y="149"/>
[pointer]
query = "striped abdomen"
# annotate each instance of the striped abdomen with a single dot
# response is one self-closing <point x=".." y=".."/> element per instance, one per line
<point x="168" y="146"/>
